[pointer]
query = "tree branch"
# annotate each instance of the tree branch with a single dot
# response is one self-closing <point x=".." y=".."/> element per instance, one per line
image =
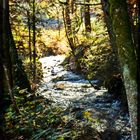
<point x="88" y="4"/>
<point x="61" y="2"/>
<point x="80" y="3"/>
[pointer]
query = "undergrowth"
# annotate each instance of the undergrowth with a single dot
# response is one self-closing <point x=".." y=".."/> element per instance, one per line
<point x="40" y="120"/>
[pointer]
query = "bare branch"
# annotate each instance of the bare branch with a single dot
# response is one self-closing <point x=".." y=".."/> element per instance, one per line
<point x="80" y="3"/>
<point x="88" y="4"/>
<point x="61" y="2"/>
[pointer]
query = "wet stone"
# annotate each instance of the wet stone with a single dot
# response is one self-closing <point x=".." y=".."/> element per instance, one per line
<point x="70" y="91"/>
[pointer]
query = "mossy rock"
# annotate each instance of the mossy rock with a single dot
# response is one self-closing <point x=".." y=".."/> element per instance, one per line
<point x="94" y="62"/>
<point x="89" y="134"/>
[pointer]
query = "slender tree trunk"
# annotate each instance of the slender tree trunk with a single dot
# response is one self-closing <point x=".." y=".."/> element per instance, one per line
<point x="1" y="80"/>
<point x="112" y="37"/>
<point x="5" y="43"/>
<point x="138" y="15"/>
<point x="1" y="63"/>
<point x="122" y="29"/>
<point x="138" y="34"/>
<point x="87" y="17"/>
<point x="107" y="18"/>
<point x="138" y="61"/>
<point x="3" y="103"/>
<point x="29" y="36"/>
<point x="1" y="73"/>
<point x="2" y="99"/>
<point x="68" y="28"/>
<point x="34" y="43"/>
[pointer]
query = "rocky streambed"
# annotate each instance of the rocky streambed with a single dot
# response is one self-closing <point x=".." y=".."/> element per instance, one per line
<point x="73" y="93"/>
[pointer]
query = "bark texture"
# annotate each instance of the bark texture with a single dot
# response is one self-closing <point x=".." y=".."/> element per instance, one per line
<point x="34" y="42"/>
<point x="12" y="72"/>
<point x="68" y="23"/>
<point x="122" y="29"/>
<point x="87" y="17"/>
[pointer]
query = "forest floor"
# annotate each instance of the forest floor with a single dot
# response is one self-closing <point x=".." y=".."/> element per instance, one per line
<point x="71" y="92"/>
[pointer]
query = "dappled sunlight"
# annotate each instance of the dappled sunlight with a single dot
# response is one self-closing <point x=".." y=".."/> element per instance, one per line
<point x="63" y="69"/>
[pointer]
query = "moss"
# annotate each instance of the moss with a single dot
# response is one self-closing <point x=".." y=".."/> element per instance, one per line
<point x="121" y="26"/>
<point x="126" y="51"/>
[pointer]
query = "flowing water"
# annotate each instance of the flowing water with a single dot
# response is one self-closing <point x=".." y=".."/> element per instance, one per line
<point x="71" y="91"/>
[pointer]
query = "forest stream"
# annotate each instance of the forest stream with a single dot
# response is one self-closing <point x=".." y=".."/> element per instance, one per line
<point x="73" y="93"/>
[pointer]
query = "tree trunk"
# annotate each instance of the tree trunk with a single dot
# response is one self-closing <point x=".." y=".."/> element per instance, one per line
<point x="17" y="67"/>
<point x="68" y="28"/>
<point x="112" y="37"/>
<point x="122" y="29"/>
<point x="138" y="60"/>
<point x="1" y="79"/>
<point x="107" y="18"/>
<point x="87" y="17"/>
<point x="1" y="73"/>
<point x="114" y="61"/>
<point x="29" y="36"/>
<point x="34" y="43"/>
<point x="1" y="63"/>
<point x="11" y="65"/>
<point x="138" y="35"/>
<point x="5" y="57"/>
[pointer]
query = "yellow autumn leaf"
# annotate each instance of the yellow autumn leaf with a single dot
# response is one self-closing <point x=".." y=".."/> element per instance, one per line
<point x="87" y="114"/>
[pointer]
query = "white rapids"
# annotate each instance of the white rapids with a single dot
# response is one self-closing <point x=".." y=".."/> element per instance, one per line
<point x="70" y="90"/>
